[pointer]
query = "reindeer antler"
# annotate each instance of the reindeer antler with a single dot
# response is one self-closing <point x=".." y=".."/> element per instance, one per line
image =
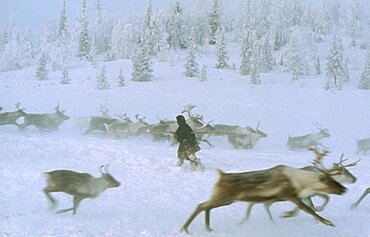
<point x="341" y="162"/>
<point x="318" y="155"/>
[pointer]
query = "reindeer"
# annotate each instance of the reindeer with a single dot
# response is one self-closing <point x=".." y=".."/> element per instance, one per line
<point x="338" y="172"/>
<point x="355" y="204"/>
<point x="279" y="183"/>
<point x="45" y="121"/>
<point x="120" y="127"/>
<point x="12" y="117"/>
<point x="309" y="139"/>
<point x="248" y="139"/>
<point x="79" y="185"/>
<point x="138" y="127"/>
<point x="100" y="122"/>
<point x="164" y="129"/>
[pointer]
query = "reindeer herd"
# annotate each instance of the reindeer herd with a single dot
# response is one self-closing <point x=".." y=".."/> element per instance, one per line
<point x="123" y="126"/>
<point x="277" y="184"/>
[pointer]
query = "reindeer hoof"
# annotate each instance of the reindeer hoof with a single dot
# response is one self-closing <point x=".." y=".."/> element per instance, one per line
<point x="185" y="229"/>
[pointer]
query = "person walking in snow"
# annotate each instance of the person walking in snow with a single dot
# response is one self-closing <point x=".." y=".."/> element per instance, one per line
<point x="188" y="145"/>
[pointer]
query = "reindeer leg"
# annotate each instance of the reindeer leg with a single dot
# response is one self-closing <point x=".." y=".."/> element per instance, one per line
<point x="50" y="198"/>
<point x="326" y="200"/>
<point x="201" y="207"/>
<point x="355" y="204"/>
<point x="76" y="201"/>
<point x="247" y="213"/>
<point x="307" y="209"/>
<point x="267" y="209"/>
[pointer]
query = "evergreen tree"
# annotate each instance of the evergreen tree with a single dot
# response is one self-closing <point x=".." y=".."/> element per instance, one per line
<point x="191" y="66"/>
<point x="364" y="83"/>
<point x="176" y="27"/>
<point x="102" y="82"/>
<point x="41" y="71"/>
<point x="63" y="21"/>
<point x="141" y="64"/>
<point x="318" y="66"/>
<point x="16" y="52"/>
<point x="101" y="30"/>
<point x="336" y="70"/>
<point x="65" y="77"/>
<point x="267" y="60"/>
<point x="249" y="51"/>
<point x="203" y="73"/>
<point x="296" y="56"/>
<point x="84" y="46"/>
<point x="354" y="25"/>
<point x="222" y="59"/>
<point x="214" y="21"/>
<point x="121" y="79"/>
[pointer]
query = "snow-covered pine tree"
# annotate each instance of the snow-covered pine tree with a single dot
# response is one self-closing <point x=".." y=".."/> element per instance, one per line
<point x="354" y="24"/>
<point x="65" y="77"/>
<point x="364" y="83"/>
<point x="42" y="71"/>
<point x="176" y="27"/>
<point x="336" y="70"/>
<point x="318" y="66"/>
<point x="141" y="63"/>
<point x="214" y="21"/>
<point x="267" y="60"/>
<point x="101" y="80"/>
<point x="222" y="58"/>
<point x="101" y="30"/>
<point x="249" y="52"/>
<point x="121" y="79"/>
<point x="63" y="21"/>
<point x="296" y="56"/>
<point x="203" y="73"/>
<point x="17" y="50"/>
<point x="84" y="46"/>
<point x="191" y="66"/>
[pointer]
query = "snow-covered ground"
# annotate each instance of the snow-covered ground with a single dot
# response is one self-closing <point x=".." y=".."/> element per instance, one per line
<point x="156" y="197"/>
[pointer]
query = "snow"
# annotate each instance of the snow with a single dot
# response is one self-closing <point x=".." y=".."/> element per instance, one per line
<point x="156" y="197"/>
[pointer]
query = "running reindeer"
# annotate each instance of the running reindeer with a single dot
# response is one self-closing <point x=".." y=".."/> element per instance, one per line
<point x="338" y="172"/>
<point x="79" y="185"/>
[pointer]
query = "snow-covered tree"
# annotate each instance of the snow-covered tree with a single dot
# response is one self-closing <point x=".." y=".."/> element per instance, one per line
<point x="364" y="83"/>
<point x="121" y="79"/>
<point x="214" y="21"/>
<point x="203" y="73"/>
<point x="63" y="21"/>
<point x="318" y="66"/>
<point x="222" y="58"/>
<point x="354" y="24"/>
<point x="176" y="27"/>
<point x="141" y="63"/>
<point x="249" y="51"/>
<point x="123" y="40"/>
<point x="336" y="70"/>
<point x="41" y="70"/>
<point x="101" y="80"/>
<point x="198" y="19"/>
<point x="267" y="60"/>
<point x="296" y="54"/>
<point x="65" y="77"/>
<point x="101" y="29"/>
<point x="191" y="66"/>
<point x="84" y="46"/>
<point x="17" y="50"/>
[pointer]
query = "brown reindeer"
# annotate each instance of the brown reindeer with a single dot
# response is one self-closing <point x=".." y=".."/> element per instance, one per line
<point x="279" y="183"/>
<point x="79" y="185"/>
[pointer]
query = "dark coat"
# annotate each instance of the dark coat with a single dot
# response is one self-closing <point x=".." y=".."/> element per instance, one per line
<point x="186" y="137"/>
